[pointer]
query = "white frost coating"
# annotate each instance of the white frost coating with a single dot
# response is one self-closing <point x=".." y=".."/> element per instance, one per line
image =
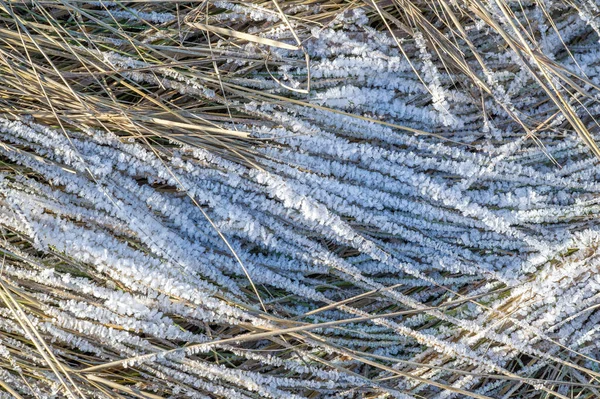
<point x="135" y="273"/>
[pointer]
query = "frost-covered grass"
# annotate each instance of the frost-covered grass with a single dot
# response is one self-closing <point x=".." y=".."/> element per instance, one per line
<point x="299" y="199"/>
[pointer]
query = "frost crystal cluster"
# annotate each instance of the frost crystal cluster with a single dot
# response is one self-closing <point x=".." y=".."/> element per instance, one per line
<point x="282" y="199"/>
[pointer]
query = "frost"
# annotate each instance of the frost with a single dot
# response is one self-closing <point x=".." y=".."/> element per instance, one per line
<point x="393" y="187"/>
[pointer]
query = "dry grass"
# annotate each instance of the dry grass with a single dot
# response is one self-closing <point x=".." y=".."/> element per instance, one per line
<point x="52" y="70"/>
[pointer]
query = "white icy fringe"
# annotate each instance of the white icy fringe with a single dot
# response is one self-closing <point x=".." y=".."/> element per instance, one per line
<point x="340" y="207"/>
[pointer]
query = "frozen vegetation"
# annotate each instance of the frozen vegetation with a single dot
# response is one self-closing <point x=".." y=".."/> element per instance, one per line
<point x="390" y="199"/>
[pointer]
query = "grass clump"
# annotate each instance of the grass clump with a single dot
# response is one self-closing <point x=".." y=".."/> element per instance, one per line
<point x="290" y="199"/>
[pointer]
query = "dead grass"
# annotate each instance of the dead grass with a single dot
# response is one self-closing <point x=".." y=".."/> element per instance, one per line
<point x="52" y="69"/>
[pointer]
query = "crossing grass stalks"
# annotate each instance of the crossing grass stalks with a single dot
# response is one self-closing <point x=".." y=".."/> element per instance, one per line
<point x="285" y="199"/>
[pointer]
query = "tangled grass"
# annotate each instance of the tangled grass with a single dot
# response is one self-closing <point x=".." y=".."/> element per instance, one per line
<point x="289" y="199"/>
